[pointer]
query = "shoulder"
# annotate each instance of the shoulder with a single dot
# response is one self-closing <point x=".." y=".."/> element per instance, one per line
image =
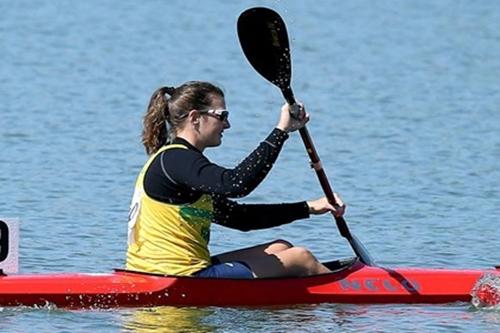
<point x="180" y="151"/>
<point x="182" y="157"/>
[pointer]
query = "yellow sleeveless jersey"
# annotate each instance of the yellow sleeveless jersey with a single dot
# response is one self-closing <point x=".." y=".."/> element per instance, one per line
<point x="167" y="238"/>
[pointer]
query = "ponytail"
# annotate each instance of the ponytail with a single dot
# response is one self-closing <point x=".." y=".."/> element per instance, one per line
<point x="155" y="132"/>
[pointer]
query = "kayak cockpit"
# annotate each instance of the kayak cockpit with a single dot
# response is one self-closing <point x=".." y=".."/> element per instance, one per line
<point x="341" y="264"/>
<point x="335" y="266"/>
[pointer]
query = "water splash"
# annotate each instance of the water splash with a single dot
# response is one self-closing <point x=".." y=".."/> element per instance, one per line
<point x="486" y="292"/>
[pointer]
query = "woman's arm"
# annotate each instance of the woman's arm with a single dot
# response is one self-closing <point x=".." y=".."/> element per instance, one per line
<point x="246" y="217"/>
<point x="193" y="170"/>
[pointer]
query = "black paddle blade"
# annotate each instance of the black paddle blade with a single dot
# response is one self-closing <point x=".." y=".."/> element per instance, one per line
<point x="264" y="40"/>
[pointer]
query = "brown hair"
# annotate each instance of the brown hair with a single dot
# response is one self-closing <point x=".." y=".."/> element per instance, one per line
<point x="165" y="116"/>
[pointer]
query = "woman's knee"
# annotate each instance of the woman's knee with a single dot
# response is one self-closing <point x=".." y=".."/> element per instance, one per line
<point x="278" y="246"/>
<point x="303" y="255"/>
<point x="299" y="261"/>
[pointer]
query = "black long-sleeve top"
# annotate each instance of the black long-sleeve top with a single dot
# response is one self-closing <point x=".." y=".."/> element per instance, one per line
<point x="179" y="176"/>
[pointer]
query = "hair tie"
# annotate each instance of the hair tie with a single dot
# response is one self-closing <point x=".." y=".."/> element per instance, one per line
<point x="170" y="90"/>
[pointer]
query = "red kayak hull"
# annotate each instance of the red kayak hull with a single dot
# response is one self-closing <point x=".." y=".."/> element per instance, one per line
<point x="355" y="283"/>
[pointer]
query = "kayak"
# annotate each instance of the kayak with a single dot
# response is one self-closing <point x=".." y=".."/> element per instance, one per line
<point x="350" y="281"/>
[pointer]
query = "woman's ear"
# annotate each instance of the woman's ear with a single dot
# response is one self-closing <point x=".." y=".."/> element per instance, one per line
<point x="194" y="117"/>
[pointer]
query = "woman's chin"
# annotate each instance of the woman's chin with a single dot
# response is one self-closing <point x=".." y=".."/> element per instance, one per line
<point x="215" y="143"/>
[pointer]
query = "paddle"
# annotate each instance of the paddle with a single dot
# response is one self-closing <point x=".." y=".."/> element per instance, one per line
<point x="264" y="40"/>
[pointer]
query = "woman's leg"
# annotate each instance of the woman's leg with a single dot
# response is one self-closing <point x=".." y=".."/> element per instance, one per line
<point x="278" y="258"/>
<point x="296" y="261"/>
<point x="255" y="251"/>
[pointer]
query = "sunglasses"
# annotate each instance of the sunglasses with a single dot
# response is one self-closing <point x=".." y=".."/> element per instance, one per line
<point x="220" y="114"/>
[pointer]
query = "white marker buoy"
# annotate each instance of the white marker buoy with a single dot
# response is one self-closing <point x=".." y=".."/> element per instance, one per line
<point x="9" y="245"/>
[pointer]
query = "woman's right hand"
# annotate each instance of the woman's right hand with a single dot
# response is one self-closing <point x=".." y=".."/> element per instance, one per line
<point x="288" y="123"/>
<point x="321" y="206"/>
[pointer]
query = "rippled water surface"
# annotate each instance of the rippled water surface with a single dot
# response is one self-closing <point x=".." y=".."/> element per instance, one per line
<point x="405" y="104"/>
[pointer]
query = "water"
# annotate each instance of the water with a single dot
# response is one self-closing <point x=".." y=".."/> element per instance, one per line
<point x="404" y="98"/>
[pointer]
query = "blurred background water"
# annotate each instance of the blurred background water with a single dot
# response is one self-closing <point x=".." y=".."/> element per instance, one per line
<point x="404" y="99"/>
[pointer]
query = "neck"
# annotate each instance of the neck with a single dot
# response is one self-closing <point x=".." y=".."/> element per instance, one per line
<point x="192" y="139"/>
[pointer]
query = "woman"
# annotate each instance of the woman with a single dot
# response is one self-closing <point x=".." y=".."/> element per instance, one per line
<point x="179" y="193"/>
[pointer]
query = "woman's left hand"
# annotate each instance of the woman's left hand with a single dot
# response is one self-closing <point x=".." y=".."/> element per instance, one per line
<point x="288" y="123"/>
<point x="321" y="206"/>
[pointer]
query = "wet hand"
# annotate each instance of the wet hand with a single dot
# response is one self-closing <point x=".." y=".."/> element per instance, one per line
<point x="287" y="122"/>
<point x="321" y="206"/>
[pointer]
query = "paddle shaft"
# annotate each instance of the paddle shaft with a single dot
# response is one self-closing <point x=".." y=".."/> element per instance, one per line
<point x="356" y="245"/>
<point x="317" y="166"/>
<point x="323" y="180"/>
